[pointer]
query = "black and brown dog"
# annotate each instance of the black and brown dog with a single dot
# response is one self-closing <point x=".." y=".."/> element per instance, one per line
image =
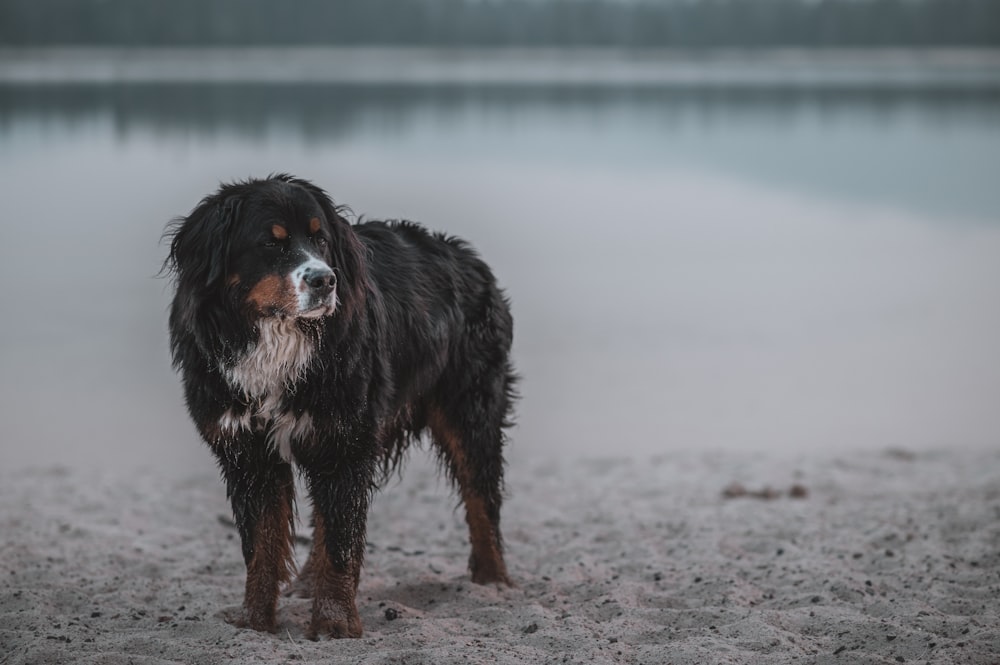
<point x="304" y="339"/>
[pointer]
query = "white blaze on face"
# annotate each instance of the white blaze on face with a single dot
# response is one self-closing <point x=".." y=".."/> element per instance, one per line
<point x="309" y="304"/>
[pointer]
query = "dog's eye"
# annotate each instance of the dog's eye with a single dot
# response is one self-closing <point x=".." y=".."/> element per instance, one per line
<point x="320" y="241"/>
<point x="274" y="244"/>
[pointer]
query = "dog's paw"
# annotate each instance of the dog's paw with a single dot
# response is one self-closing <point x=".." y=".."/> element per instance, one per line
<point x="242" y="618"/>
<point x="333" y="619"/>
<point x="492" y="578"/>
<point x="489" y="571"/>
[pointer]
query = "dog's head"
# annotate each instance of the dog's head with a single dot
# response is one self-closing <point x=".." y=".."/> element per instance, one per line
<point x="276" y="247"/>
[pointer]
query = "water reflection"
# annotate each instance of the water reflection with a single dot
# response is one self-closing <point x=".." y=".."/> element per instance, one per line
<point x="321" y="110"/>
<point x="916" y="149"/>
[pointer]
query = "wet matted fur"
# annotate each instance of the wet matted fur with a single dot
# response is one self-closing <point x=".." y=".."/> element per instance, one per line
<point x="305" y="340"/>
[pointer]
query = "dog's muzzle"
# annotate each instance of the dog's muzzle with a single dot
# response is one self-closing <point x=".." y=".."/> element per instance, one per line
<point x="316" y="285"/>
<point x="320" y="281"/>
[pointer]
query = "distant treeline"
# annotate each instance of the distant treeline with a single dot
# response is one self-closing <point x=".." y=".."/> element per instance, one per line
<point x="639" y="23"/>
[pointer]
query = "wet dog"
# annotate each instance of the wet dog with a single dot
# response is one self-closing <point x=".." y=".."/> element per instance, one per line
<point x="305" y="340"/>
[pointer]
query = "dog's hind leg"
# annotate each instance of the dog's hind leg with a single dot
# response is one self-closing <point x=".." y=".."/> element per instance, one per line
<point x="305" y="581"/>
<point x="469" y="433"/>
<point x="262" y="491"/>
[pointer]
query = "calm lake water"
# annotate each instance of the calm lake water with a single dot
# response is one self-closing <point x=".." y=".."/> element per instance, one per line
<point x="692" y="268"/>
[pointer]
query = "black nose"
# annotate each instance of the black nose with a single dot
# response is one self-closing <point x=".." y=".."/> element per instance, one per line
<point x="320" y="280"/>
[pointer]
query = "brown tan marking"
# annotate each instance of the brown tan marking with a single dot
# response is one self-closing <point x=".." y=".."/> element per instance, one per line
<point x="272" y="292"/>
<point x="314" y="225"/>
<point x="279" y="232"/>
<point x="272" y="562"/>
<point x="334" y="610"/>
<point x="486" y="562"/>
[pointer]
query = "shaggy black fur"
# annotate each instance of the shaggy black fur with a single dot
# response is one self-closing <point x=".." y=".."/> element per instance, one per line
<point x="418" y="340"/>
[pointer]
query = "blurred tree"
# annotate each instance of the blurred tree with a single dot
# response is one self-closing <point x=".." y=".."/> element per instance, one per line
<point x="639" y="23"/>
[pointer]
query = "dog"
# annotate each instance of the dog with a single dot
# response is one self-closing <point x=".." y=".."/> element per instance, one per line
<point x="303" y="339"/>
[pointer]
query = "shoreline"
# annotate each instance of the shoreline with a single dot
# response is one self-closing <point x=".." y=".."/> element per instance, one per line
<point x="888" y="556"/>
<point x="876" y="69"/>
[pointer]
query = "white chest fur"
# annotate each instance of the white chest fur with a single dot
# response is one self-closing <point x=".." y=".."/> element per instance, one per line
<point x="275" y="362"/>
<point x="265" y="374"/>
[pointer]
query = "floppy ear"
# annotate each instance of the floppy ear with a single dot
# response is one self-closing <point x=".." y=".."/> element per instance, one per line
<point x="199" y="243"/>
<point x="199" y="249"/>
<point x="346" y="249"/>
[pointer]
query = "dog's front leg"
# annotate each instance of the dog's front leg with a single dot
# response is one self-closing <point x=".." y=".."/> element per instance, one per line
<point x="261" y="488"/>
<point x="340" y="512"/>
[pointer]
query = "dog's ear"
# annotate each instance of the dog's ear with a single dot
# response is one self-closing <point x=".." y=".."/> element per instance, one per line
<point x="347" y="252"/>
<point x="198" y="262"/>
<point x="199" y="243"/>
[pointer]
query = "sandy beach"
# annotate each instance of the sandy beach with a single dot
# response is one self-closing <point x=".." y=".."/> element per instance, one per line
<point x="884" y="557"/>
